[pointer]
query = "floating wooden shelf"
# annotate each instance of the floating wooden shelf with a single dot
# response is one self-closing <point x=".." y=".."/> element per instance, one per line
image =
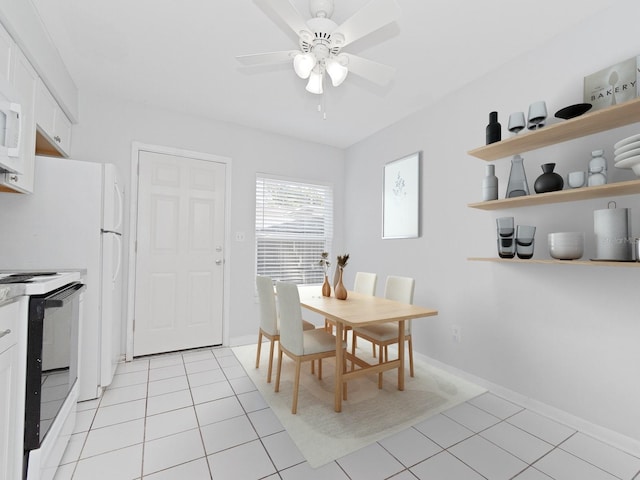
<point x="557" y="262"/>
<point x="587" y="124"/>
<point x="630" y="187"/>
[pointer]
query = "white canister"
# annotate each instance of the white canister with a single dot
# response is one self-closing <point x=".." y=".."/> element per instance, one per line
<point x="612" y="228"/>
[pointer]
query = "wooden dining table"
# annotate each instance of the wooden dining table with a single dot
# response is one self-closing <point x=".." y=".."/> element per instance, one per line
<point x="359" y="310"/>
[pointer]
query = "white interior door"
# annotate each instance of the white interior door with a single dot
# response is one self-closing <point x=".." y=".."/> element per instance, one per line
<point x="180" y="253"/>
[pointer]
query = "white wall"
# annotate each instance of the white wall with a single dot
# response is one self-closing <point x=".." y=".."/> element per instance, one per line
<point x="565" y="336"/>
<point x="108" y="127"/>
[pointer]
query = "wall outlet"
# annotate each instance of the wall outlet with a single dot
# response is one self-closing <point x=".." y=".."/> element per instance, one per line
<point x="240" y="237"/>
<point x="456" y="333"/>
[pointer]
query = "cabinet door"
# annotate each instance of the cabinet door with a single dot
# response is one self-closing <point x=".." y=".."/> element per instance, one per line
<point x="45" y="109"/>
<point x="54" y="128"/>
<point x="9" y="438"/>
<point x="24" y="79"/>
<point x="62" y="131"/>
<point x="6" y="47"/>
<point x="7" y="414"/>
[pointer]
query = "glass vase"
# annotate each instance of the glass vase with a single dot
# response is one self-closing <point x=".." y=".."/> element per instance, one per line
<point x="517" y="186"/>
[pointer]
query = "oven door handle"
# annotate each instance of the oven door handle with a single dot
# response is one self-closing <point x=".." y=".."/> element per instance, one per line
<point x="59" y="298"/>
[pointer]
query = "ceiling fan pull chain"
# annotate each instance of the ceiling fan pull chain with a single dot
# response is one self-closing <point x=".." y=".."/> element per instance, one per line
<point x="324" y="107"/>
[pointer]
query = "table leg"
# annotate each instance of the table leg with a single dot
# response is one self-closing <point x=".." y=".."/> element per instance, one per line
<point x="339" y="362"/>
<point x="401" y="354"/>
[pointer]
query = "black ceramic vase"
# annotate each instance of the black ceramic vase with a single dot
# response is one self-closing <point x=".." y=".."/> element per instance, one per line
<point x="549" y="181"/>
<point x="494" y="129"/>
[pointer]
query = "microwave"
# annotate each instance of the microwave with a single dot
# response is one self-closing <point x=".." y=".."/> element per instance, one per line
<point x="11" y="123"/>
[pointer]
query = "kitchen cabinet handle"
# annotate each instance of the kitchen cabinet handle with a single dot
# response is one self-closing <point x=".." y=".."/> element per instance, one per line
<point x="57" y="138"/>
<point x="6" y="332"/>
<point x="13" y="178"/>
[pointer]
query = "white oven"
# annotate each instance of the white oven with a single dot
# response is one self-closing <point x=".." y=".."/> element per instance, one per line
<point x="51" y="383"/>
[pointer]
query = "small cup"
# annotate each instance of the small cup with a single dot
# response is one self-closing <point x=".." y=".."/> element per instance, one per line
<point x="537" y="115"/>
<point x="505" y="226"/>
<point x="516" y="122"/>
<point x="506" y="237"/>
<point x="576" y="179"/>
<point x="524" y="241"/>
<point x="506" y="247"/>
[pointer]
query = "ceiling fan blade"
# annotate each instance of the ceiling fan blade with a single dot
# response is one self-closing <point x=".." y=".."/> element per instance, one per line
<point x="374" y="15"/>
<point x="269" y="58"/>
<point x="373" y="71"/>
<point x="287" y="12"/>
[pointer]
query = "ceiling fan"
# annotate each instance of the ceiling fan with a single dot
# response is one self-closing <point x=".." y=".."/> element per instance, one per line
<point x="321" y="41"/>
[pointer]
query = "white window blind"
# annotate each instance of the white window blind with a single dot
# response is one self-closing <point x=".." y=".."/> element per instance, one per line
<point x="294" y="225"/>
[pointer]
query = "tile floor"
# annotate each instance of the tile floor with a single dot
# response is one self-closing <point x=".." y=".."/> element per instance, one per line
<point x="196" y="415"/>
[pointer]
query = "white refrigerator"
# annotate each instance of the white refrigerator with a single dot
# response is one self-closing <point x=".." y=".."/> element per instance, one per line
<point x="73" y="220"/>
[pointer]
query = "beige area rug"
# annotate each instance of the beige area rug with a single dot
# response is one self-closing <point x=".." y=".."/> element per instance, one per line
<point x="369" y="414"/>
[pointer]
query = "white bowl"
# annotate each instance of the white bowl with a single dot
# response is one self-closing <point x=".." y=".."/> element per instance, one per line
<point x="626" y="141"/>
<point x="566" y="245"/>
<point x="626" y="148"/>
<point x="627" y="154"/>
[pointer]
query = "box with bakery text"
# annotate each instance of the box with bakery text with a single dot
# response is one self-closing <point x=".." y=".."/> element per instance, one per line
<point x="615" y="84"/>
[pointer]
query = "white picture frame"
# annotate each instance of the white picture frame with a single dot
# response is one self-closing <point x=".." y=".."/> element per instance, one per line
<point x="401" y="198"/>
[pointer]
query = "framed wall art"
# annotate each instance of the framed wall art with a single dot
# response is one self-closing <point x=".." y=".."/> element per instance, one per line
<point x="401" y="198"/>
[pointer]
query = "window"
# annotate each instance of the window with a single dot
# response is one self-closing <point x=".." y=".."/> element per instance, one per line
<point x="294" y="225"/>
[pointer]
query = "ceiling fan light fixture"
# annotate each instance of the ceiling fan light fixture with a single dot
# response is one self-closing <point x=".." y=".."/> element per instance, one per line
<point x="336" y="71"/>
<point x="315" y="83"/>
<point x="303" y="64"/>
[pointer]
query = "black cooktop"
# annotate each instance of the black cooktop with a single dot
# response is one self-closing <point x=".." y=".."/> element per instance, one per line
<point x="24" y="277"/>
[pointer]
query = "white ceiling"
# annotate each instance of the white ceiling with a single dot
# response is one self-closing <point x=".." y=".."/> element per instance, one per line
<point x="179" y="54"/>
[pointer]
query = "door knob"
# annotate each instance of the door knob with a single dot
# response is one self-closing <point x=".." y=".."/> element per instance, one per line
<point x="218" y="262"/>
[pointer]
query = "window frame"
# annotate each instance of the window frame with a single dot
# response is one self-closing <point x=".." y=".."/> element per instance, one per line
<point x="309" y="272"/>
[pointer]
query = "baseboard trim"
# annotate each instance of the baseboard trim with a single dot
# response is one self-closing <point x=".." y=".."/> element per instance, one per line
<point x="598" y="432"/>
<point x="243" y="340"/>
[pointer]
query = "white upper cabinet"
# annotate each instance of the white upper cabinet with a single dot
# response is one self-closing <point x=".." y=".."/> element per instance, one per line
<point x="24" y="79"/>
<point x="54" y="128"/>
<point x="53" y="134"/>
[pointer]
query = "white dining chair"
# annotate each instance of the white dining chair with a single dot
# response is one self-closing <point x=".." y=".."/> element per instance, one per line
<point x="269" y="323"/>
<point x="298" y="344"/>
<point x="364" y="283"/>
<point x="399" y="289"/>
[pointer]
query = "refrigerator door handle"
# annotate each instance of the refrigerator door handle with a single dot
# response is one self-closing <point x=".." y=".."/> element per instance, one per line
<point x="119" y="196"/>
<point x="119" y="263"/>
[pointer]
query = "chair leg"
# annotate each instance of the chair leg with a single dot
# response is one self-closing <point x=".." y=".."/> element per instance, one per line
<point x="319" y="369"/>
<point x="259" y="347"/>
<point x="313" y="367"/>
<point x="380" y="360"/>
<point x="270" y="360"/>
<point x="296" y="386"/>
<point x="374" y="349"/>
<point x="410" y="357"/>
<point x="277" y="389"/>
